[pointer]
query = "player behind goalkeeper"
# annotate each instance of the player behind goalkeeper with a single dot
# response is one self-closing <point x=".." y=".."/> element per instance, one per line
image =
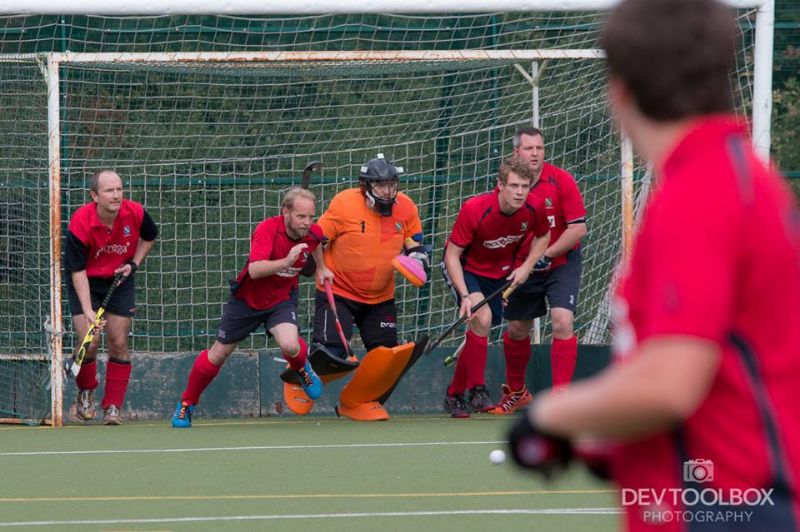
<point x="265" y="292"/>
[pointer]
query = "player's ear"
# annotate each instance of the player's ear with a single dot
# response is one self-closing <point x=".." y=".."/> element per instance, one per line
<point x="619" y="97"/>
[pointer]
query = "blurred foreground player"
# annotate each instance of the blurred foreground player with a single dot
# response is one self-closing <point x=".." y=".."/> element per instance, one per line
<point x="703" y="397"/>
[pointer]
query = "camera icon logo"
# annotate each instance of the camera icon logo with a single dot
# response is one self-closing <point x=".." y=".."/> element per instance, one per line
<point x="698" y="471"/>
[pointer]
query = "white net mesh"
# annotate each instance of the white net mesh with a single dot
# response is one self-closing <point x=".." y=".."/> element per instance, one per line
<point x="209" y="147"/>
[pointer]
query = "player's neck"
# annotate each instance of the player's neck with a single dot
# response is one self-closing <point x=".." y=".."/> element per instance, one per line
<point x="505" y="207"/>
<point x="656" y="141"/>
<point x="107" y="217"/>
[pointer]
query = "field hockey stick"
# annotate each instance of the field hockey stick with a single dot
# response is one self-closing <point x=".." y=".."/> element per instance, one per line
<point x="342" y="337"/>
<point x="506" y="288"/>
<point x="311" y="167"/>
<point x="74" y="366"/>
<point x="305" y="181"/>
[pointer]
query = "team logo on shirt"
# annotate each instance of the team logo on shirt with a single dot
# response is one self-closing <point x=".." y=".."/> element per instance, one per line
<point x="502" y="242"/>
<point x="398" y="226"/>
<point x="126" y="231"/>
<point x="548" y="203"/>
<point x="524" y="227"/>
<point x="114" y="249"/>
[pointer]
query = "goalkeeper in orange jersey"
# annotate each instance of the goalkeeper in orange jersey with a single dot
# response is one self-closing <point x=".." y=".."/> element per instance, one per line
<point x="366" y="228"/>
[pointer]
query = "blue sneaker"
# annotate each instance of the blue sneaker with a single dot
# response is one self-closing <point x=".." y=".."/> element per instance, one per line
<point x="310" y="381"/>
<point x="182" y="418"/>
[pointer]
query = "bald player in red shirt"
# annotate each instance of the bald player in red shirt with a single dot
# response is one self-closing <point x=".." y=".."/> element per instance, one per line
<point x="265" y="293"/>
<point x="488" y="234"/>
<point x="700" y="409"/>
<point x="107" y="236"/>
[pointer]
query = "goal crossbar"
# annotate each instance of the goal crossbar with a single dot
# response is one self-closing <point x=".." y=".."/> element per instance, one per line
<point x="309" y="7"/>
<point x="312" y="56"/>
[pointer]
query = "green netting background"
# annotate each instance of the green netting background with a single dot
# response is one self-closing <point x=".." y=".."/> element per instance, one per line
<point x="209" y="150"/>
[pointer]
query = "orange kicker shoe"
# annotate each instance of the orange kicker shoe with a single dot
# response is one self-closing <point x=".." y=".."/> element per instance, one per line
<point x="371" y="411"/>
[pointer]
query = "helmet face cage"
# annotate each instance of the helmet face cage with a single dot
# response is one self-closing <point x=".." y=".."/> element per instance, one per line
<point x="379" y="170"/>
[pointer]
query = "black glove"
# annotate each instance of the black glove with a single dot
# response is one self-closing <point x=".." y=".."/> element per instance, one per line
<point x="543" y="264"/>
<point x="534" y="449"/>
<point x="133" y="266"/>
<point x="421" y="254"/>
<point x="597" y="457"/>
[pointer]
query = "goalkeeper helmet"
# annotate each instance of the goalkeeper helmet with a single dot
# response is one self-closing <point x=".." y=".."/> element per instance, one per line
<point x="379" y="170"/>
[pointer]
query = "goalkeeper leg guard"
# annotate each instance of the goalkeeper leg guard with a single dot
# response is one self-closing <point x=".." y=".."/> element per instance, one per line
<point x="376" y="378"/>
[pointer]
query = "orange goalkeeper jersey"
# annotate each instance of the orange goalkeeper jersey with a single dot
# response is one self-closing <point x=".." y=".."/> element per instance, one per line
<point x="362" y="244"/>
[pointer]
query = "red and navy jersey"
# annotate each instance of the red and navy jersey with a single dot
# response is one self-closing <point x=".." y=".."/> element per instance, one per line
<point x="271" y="242"/>
<point x="99" y="249"/>
<point x="491" y="238"/>
<point x="563" y="204"/>
<point x="725" y="269"/>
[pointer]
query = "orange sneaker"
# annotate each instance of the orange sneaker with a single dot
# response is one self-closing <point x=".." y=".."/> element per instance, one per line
<point x="296" y="399"/>
<point x="510" y="402"/>
<point x="371" y="411"/>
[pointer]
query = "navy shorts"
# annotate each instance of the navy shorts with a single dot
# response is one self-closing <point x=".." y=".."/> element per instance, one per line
<point x="486" y="286"/>
<point x="123" y="302"/>
<point x="557" y="288"/>
<point x="239" y="319"/>
<point x="376" y="322"/>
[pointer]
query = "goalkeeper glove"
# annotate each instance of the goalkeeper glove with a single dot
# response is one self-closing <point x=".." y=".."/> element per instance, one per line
<point x="534" y="449"/>
<point x="543" y="264"/>
<point x="420" y="254"/>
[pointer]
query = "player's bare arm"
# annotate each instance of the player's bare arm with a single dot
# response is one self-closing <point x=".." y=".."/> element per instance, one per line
<point x="323" y="272"/>
<point x="660" y="386"/>
<point x="573" y="234"/>
<point x="81" y="283"/>
<point x="452" y="261"/>
<point x="142" y="249"/>
<point x="265" y="268"/>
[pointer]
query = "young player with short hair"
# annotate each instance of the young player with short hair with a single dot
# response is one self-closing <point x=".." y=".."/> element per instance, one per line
<point x="555" y="280"/>
<point x="107" y="236"/>
<point x="265" y="292"/>
<point x="702" y="398"/>
<point x="479" y="257"/>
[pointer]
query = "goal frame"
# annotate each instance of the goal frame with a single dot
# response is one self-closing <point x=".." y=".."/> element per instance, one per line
<point x="50" y="62"/>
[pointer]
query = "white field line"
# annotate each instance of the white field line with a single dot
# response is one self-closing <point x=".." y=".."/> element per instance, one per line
<point x="206" y="519"/>
<point x="249" y="448"/>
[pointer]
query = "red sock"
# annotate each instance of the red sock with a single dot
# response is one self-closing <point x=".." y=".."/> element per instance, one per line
<point x="459" y="382"/>
<point x="475" y="353"/>
<point x="118" y="373"/>
<point x="299" y="360"/>
<point x="563" y="356"/>
<point x="87" y="377"/>
<point x="518" y="354"/>
<point x="203" y="372"/>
